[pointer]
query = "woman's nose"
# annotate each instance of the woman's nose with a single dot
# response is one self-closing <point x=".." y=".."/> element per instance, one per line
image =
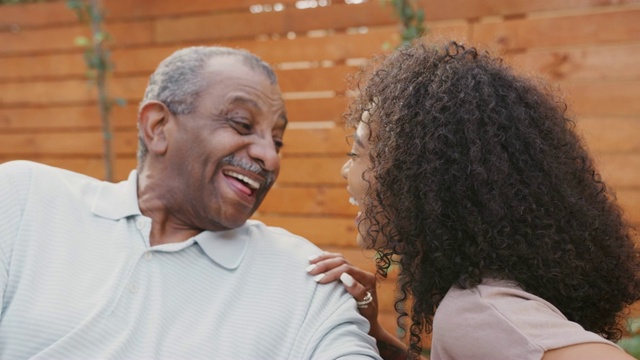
<point x="345" y="168"/>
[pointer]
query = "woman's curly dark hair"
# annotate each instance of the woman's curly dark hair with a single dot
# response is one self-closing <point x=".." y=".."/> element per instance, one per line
<point x="478" y="173"/>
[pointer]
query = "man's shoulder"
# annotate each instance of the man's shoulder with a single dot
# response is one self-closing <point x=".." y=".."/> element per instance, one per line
<point x="26" y="168"/>
<point x="42" y="182"/>
<point x="281" y="239"/>
<point x="20" y="168"/>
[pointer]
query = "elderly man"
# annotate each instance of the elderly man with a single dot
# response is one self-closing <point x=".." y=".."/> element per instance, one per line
<point x="166" y="264"/>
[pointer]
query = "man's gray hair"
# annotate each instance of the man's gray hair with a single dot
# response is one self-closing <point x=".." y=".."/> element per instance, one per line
<point x="178" y="82"/>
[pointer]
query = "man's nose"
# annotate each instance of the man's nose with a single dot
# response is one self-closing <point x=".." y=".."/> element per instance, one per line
<point x="264" y="152"/>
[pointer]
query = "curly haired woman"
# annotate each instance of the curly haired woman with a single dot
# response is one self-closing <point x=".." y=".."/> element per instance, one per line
<point x="472" y="178"/>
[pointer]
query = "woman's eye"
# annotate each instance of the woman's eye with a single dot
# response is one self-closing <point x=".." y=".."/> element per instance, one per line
<point x="278" y="143"/>
<point x="352" y="155"/>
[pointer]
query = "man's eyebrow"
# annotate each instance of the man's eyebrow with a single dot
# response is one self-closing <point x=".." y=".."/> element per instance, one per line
<point x="245" y="101"/>
<point x="253" y="104"/>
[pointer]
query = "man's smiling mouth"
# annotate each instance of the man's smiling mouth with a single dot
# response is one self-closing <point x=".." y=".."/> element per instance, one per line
<point x="247" y="185"/>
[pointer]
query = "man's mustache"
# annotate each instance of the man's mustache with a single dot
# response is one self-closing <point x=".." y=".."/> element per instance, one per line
<point x="251" y="167"/>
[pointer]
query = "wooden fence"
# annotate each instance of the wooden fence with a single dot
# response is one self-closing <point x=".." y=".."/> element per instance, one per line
<point x="48" y="113"/>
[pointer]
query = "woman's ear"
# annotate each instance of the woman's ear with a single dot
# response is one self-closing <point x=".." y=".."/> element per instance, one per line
<point x="152" y="120"/>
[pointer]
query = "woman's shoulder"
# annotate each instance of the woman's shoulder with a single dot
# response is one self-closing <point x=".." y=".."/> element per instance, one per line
<point x="499" y="317"/>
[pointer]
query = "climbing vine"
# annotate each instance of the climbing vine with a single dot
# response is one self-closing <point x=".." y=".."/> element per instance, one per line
<point x="411" y="19"/>
<point x="99" y="65"/>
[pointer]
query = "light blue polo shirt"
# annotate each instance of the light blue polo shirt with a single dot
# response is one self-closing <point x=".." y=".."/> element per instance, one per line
<point x="78" y="280"/>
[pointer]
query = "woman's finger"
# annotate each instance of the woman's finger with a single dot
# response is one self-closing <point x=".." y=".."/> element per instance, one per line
<point x="366" y="298"/>
<point x="326" y="264"/>
<point x="323" y="256"/>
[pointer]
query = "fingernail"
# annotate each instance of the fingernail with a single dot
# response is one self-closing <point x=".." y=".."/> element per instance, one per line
<point x="347" y="279"/>
<point x="318" y="277"/>
<point x="313" y="257"/>
<point x="311" y="267"/>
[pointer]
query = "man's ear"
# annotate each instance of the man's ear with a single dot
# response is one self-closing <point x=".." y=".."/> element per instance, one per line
<point x="152" y="120"/>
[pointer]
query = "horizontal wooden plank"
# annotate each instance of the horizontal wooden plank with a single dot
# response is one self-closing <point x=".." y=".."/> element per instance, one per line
<point x="54" y="13"/>
<point x="333" y="47"/>
<point x="320" y="109"/>
<point x="603" y="98"/>
<point x="36" y="14"/>
<point x="473" y="9"/>
<point x="322" y="231"/>
<point x="610" y="135"/>
<point x="41" y="145"/>
<point x="227" y="26"/>
<point x="312" y="170"/>
<point x="629" y="200"/>
<point x="620" y="171"/>
<point x="42" y="66"/>
<point x="89" y="166"/>
<point x="308" y="200"/>
<point x="86" y="117"/>
<point x="44" y="92"/>
<point x="327" y="142"/>
<point x="43" y="40"/>
<point x="609" y="62"/>
<point x="125" y="9"/>
<point x="143" y="60"/>
<point x="87" y="141"/>
<point x="332" y="78"/>
<point x="597" y="28"/>
<point x="434" y="9"/>
<point x="68" y="91"/>
<point x="233" y="25"/>
<point x="75" y="118"/>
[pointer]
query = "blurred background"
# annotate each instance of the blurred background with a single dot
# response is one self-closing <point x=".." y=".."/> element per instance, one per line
<point x="62" y="76"/>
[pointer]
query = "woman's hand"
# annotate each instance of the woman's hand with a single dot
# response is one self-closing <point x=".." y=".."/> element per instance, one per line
<point x="328" y="267"/>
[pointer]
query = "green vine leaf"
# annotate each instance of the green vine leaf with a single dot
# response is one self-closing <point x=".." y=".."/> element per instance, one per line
<point x="81" y="41"/>
<point x="411" y="19"/>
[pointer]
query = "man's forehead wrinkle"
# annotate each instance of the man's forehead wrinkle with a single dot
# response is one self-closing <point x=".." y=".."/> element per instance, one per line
<point x="239" y="99"/>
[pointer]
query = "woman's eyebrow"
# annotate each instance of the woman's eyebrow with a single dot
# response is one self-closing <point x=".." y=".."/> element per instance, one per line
<point x="358" y="141"/>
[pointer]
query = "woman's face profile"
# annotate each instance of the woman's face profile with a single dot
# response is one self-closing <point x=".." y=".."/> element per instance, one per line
<point x="354" y="171"/>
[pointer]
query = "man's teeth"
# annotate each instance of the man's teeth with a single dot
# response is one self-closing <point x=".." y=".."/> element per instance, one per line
<point x="353" y="201"/>
<point x="252" y="183"/>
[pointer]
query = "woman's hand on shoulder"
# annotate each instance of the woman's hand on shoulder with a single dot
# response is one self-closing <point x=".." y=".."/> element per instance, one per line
<point x="328" y="267"/>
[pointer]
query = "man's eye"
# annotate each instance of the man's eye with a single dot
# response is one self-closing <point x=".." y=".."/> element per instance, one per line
<point x="241" y="125"/>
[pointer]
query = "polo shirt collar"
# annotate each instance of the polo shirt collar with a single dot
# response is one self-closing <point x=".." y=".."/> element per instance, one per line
<point x="227" y="248"/>
<point x="116" y="201"/>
